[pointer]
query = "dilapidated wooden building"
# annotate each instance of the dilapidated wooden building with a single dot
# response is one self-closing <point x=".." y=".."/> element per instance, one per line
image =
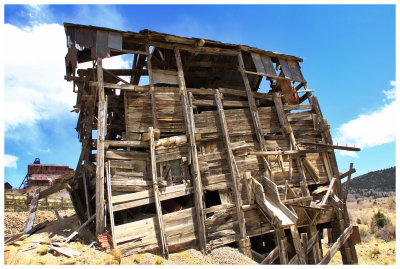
<point x="185" y="149"/>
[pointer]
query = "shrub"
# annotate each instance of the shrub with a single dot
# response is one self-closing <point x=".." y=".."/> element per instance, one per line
<point x="358" y="221"/>
<point x="379" y="220"/>
<point x="387" y="233"/>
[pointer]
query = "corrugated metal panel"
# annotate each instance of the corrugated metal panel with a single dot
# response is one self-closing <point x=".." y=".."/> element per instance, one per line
<point x="295" y="70"/>
<point x="268" y="66"/>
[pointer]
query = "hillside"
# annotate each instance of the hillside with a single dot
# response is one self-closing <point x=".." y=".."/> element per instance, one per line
<point x="381" y="183"/>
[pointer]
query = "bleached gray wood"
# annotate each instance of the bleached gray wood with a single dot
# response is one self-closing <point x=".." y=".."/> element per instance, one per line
<point x="101" y="133"/>
<point x="189" y="125"/>
<point x="234" y="172"/>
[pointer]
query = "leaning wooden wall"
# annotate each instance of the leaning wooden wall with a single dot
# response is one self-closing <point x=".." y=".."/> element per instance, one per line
<point x="198" y="158"/>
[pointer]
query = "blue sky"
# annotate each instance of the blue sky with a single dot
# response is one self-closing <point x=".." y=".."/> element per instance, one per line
<point x="348" y="52"/>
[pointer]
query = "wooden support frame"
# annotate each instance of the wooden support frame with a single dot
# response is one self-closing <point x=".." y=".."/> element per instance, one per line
<point x="189" y="125"/>
<point x="337" y="245"/>
<point x="164" y="243"/>
<point x="101" y="133"/>
<point x="235" y="175"/>
<point x="251" y="124"/>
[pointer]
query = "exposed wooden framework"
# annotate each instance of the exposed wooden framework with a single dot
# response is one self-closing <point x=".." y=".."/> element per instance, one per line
<point x="196" y="156"/>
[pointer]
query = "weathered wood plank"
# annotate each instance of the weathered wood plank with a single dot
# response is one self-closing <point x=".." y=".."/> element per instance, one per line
<point x="164" y="244"/>
<point x="32" y="211"/>
<point x="234" y="173"/>
<point x="190" y="130"/>
<point x="101" y="133"/>
<point x="337" y="245"/>
<point x="110" y="203"/>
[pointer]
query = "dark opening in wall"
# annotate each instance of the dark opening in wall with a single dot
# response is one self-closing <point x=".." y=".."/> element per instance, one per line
<point x="212" y="198"/>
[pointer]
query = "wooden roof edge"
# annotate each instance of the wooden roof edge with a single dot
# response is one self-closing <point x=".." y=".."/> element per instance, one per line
<point x="186" y="41"/>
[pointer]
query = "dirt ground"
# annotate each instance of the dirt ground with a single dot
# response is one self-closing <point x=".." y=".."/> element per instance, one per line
<point x="36" y="249"/>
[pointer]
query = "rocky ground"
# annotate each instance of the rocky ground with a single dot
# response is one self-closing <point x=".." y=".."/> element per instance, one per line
<point x="14" y="222"/>
<point x="37" y="249"/>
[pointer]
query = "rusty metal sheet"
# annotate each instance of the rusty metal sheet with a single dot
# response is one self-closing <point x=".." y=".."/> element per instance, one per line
<point x="295" y="70"/>
<point x="257" y="62"/>
<point x="166" y="77"/>
<point x="285" y="68"/>
<point x="80" y="38"/>
<point x="268" y="66"/>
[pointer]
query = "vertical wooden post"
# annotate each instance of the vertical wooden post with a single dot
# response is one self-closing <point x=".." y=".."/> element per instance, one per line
<point x="287" y="129"/>
<point x="101" y="133"/>
<point x="14" y="203"/>
<point x="297" y="244"/>
<point x="195" y="169"/>
<point x="254" y="114"/>
<point x="316" y="250"/>
<point x="332" y="169"/>
<point x="110" y="204"/>
<point x="32" y="211"/>
<point x="164" y="244"/>
<point x="235" y="178"/>
<point x="152" y="94"/>
<point x="304" y="241"/>
<point x="86" y="190"/>
<point x="282" y="251"/>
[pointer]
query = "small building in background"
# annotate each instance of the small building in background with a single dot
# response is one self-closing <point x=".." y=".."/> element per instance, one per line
<point x="7" y="186"/>
<point x="43" y="176"/>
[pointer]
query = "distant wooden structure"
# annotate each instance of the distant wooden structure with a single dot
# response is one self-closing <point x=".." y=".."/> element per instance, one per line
<point x="189" y="153"/>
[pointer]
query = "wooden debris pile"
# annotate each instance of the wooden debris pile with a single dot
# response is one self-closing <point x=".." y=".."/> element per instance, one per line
<point x="189" y="152"/>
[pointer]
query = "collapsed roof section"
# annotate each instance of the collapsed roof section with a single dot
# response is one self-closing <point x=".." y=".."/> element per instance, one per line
<point x="206" y="63"/>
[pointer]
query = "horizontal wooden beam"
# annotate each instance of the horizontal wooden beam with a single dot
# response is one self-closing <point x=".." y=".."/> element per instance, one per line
<point x="225" y="103"/>
<point x="226" y="91"/>
<point x="287" y="152"/>
<point x="272" y="77"/>
<point x="200" y="50"/>
<point x="353" y="170"/>
<point x="332" y="146"/>
<point x="297" y="200"/>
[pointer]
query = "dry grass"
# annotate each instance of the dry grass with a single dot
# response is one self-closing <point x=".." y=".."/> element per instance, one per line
<point x="372" y="251"/>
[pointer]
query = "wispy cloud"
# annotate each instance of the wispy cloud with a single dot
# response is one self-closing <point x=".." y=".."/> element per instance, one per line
<point x="34" y="69"/>
<point x="370" y="130"/>
<point x="10" y="161"/>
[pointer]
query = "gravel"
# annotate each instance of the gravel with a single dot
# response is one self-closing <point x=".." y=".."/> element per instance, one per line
<point x="14" y="222"/>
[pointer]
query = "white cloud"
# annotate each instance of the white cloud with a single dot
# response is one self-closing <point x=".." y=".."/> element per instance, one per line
<point x="10" y="161"/>
<point x="374" y="129"/>
<point x="34" y="70"/>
